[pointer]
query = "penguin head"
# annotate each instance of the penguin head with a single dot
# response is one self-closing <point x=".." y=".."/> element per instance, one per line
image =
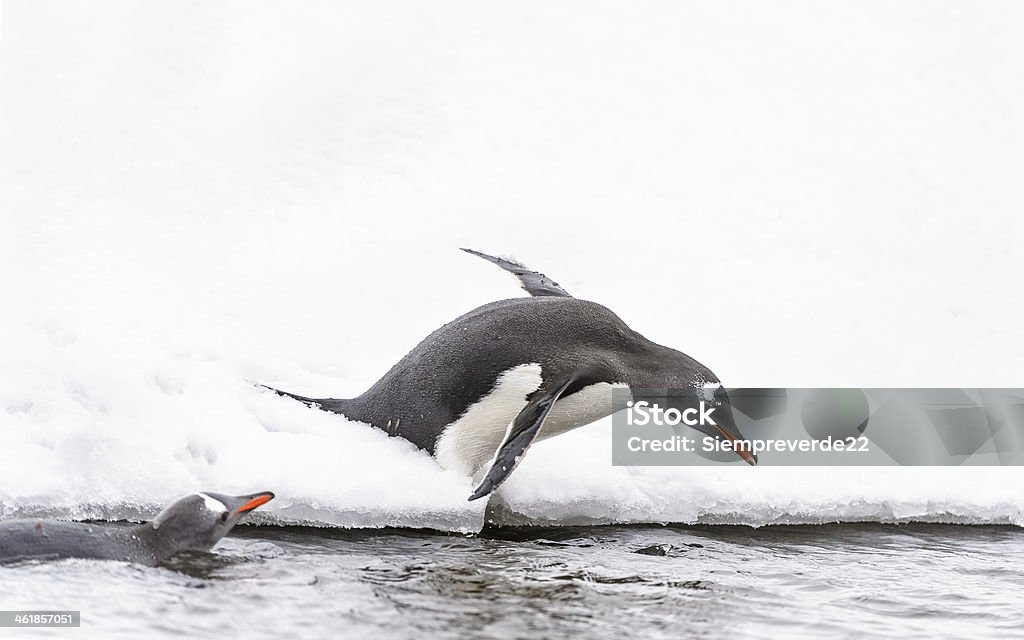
<point x="198" y="521"/>
<point x="709" y="390"/>
<point x="675" y="380"/>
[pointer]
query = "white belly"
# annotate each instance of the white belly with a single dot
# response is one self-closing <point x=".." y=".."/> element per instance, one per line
<point x="470" y="442"/>
<point x="587" y="405"/>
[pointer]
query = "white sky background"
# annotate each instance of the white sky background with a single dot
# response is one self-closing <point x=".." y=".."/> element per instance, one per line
<point x="797" y="193"/>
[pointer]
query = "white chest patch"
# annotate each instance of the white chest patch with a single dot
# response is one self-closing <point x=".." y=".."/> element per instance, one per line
<point x="470" y="442"/>
<point x="583" y="407"/>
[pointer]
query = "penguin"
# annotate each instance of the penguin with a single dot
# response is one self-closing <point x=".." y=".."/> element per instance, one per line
<point x="477" y="392"/>
<point x="193" y="523"/>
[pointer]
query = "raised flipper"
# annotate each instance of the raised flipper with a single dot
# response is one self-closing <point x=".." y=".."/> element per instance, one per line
<point x="534" y="283"/>
<point x="520" y="436"/>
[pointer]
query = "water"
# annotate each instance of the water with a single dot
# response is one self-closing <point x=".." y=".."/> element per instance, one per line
<point x="915" y="580"/>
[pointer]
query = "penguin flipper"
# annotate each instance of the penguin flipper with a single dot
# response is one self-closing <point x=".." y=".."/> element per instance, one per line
<point x="533" y="282"/>
<point x="520" y="435"/>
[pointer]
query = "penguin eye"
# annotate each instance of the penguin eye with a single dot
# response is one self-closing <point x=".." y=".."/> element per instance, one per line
<point x="224" y="517"/>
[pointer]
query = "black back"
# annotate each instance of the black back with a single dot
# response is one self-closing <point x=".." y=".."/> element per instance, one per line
<point x="22" y="540"/>
<point x="458" y="364"/>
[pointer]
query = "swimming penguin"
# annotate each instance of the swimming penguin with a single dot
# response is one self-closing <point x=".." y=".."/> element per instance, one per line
<point x="193" y="523"/>
<point x="479" y="390"/>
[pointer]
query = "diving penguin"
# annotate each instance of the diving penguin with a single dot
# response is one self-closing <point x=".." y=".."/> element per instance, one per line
<point x="477" y="392"/>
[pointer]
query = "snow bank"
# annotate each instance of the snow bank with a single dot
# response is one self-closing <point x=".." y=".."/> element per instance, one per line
<point x="192" y="198"/>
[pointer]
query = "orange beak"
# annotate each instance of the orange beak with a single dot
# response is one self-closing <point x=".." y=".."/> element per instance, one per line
<point x="257" y="500"/>
<point x="743" y="453"/>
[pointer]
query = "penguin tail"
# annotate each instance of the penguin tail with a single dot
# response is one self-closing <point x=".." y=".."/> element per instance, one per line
<point x="316" y="403"/>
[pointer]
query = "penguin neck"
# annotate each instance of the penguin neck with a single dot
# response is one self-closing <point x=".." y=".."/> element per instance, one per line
<point x="158" y="542"/>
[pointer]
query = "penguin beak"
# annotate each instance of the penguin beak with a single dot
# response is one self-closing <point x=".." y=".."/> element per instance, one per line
<point x="251" y="502"/>
<point x="750" y="458"/>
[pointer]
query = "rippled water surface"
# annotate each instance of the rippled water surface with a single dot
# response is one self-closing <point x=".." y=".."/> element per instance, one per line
<point x="650" y="581"/>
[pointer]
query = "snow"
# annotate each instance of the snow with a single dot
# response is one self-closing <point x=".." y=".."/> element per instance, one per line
<point x="193" y="196"/>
